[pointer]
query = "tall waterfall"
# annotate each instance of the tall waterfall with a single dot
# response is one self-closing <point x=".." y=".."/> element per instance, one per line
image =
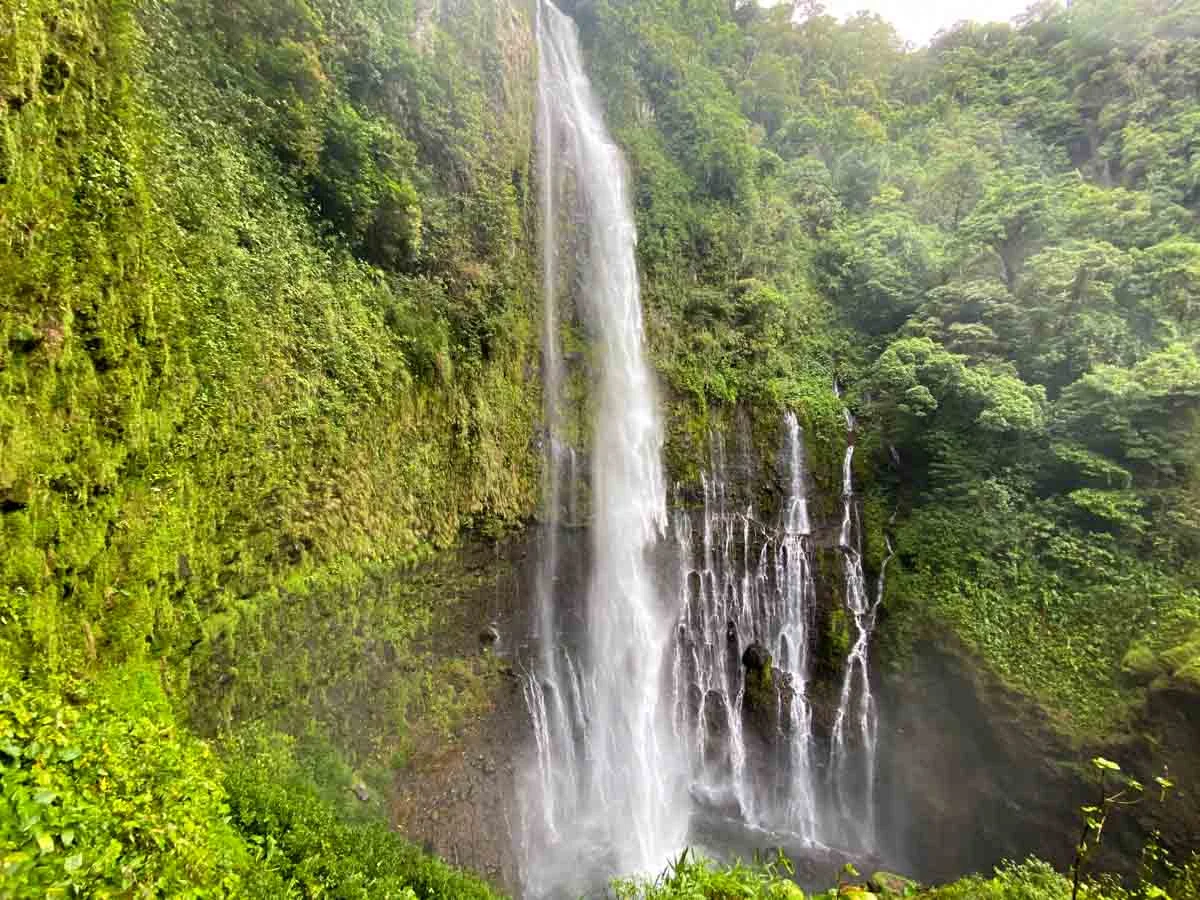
<point x="608" y="773"/>
<point x="656" y="713"/>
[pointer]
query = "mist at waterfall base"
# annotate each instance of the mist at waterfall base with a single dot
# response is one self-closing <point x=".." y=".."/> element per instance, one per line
<point x="654" y="626"/>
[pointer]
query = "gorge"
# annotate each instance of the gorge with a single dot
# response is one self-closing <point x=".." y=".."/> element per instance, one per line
<point x="452" y="448"/>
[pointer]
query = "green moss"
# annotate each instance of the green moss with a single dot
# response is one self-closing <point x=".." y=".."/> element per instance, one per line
<point x="837" y="634"/>
<point x="210" y="385"/>
<point x="267" y="318"/>
<point x="760" y="687"/>
<point x="1183" y="661"/>
<point x="1142" y="662"/>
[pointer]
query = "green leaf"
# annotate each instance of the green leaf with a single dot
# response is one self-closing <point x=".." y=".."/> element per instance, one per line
<point x="1105" y="764"/>
<point x="45" y="842"/>
<point x="73" y="862"/>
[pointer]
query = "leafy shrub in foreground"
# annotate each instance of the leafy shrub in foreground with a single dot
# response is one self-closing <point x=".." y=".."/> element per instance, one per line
<point x="692" y="877"/>
<point x="102" y="794"/>
<point x="276" y="807"/>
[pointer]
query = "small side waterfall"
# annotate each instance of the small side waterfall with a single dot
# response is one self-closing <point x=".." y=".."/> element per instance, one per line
<point x="856" y="721"/>
<point x="745" y="586"/>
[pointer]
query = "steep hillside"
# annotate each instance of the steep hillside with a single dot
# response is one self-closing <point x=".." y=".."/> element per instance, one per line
<point x="267" y="308"/>
<point x="267" y="332"/>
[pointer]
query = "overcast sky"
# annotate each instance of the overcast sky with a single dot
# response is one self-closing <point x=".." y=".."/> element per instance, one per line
<point x="918" y="20"/>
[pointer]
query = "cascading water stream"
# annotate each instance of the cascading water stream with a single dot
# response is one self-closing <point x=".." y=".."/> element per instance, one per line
<point x="609" y="773"/>
<point x="640" y="711"/>
<point x="856" y="718"/>
<point x="742" y="583"/>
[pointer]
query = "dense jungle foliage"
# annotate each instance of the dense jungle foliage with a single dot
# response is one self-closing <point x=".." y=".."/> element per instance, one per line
<point x="993" y="244"/>
<point x="266" y="333"/>
<point x="268" y="315"/>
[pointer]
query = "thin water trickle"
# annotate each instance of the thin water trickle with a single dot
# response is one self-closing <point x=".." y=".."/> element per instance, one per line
<point x="854" y="736"/>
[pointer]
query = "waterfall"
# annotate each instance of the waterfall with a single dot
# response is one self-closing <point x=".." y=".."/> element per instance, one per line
<point x="856" y="718"/>
<point x="607" y="792"/>
<point x="643" y="712"/>
<point x="743" y="583"/>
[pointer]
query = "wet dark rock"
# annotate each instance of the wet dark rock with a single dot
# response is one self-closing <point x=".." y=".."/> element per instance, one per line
<point x="716" y="713"/>
<point x="757" y="658"/>
<point x="760" y="700"/>
<point x="490" y="635"/>
<point x="718" y="727"/>
<point x="716" y="803"/>
<point x="695" y="698"/>
<point x="787" y="696"/>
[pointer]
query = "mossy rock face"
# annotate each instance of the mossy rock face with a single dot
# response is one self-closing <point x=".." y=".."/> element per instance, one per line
<point x="760" y="702"/>
<point x="1142" y="662"/>
<point x="1184" y="661"/>
<point x="214" y="334"/>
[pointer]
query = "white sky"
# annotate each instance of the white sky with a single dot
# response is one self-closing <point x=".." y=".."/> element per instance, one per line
<point x="919" y="20"/>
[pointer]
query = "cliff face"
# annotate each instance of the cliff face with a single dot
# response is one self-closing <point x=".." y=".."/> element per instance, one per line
<point x="270" y="307"/>
<point x="973" y="773"/>
<point x="267" y="339"/>
<point x="969" y="773"/>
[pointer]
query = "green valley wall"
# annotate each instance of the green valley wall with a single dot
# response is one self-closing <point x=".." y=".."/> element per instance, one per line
<point x="267" y="308"/>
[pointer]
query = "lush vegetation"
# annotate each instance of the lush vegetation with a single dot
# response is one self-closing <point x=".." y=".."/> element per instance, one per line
<point x="266" y="307"/>
<point x="266" y="329"/>
<point x="693" y="877"/>
<point x="268" y="333"/>
<point x="993" y="243"/>
<point x="103" y="793"/>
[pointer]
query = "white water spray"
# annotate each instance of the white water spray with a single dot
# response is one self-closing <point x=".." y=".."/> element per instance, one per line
<point x="637" y="709"/>
<point x="856" y="720"/>
<point x="743" y="582"/>
<point x="613" y="798"/>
